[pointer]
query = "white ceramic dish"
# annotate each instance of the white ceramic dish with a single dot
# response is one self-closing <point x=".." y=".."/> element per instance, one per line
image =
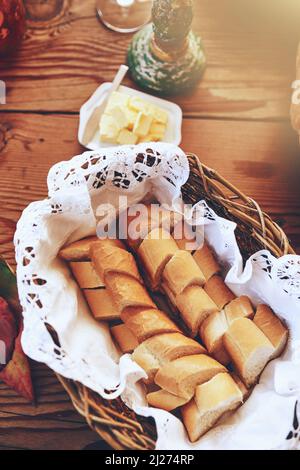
<point x="173" y="132"/>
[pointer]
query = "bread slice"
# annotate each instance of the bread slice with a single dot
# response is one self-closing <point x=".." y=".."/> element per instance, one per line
<point x="85" y="275"/>
<point x="145" y="323"/>
<point x="249" y="349"/>
<point x="212" y="331"/>
<point x="195" y="306"/>
<point x="238" y="308"/>
<point x="107" y="258"/>
<point x="182" y="271"/>
<point x="244" y="390"/>
<point x="127" y="292"/>
<point x="164" y="348"/>
<point x="185" y="237"/>
<point x="181" y="376"/>
<point x="217" y="290"/>
<point x="212" y="399"/>
<point x="165" y="400"/>
<point x="101" y="304"/>
<point x="126" y="341"/>
<point x="78" y="251"/>
<point x="206" y="261"/>
<point x="155" y="252"/>
<point x="272" y="327"/>
<point x="145" y="219"/>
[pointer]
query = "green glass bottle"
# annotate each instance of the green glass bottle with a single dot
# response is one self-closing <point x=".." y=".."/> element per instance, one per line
<point x="166" y="57"/>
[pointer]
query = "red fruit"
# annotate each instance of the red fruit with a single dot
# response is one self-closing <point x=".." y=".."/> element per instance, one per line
<point x="8" y="333"/>
<point x="12" y="24"/>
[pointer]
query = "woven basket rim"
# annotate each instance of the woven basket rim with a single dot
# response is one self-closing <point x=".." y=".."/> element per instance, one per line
<point x="118" y="426"/>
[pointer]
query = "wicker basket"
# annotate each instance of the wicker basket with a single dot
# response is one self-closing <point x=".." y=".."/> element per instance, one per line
<point x="112" y="420"/>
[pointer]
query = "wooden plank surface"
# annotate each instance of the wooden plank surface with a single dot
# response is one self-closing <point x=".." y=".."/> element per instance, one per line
<point x="250" y="52"/>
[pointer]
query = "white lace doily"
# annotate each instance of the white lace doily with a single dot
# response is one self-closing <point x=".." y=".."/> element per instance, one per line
<point x="82" y="349"/>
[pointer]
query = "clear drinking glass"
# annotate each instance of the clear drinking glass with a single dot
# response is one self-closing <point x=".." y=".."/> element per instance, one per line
<point x="124" y="16"/>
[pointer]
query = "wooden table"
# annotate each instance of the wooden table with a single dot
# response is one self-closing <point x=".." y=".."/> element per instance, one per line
<point x="237" y="121"/>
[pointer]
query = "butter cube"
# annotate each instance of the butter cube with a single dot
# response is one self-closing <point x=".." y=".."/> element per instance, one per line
<point x="142" y="124"/>
<point x="132" y="117"/>
<point x="120" y="116"/>
<point x="117" y="99"/>
<point x="127" y="137"/>
<point x="159" y="115"/>
<point x="138" y="104"/>
<point x="109" y="131"/>
<point x="157" y="131"/>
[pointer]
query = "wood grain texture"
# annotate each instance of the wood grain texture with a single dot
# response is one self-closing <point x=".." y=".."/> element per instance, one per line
<point x="262" y="159"/>
<point x="250" y="54"/>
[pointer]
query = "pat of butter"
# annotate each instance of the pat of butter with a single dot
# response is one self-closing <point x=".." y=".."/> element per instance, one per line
<point x="138" y="104"/>
<point x="120" y="116"/>
<point x="142" y="124"/>
<point x="157" y="131"/>
<point x="127" y="138"/>
<point x="109" y="130"/>
<point x="159" y="115"/>
<point x="117" y="99"/>
<point x="132" y="117"/>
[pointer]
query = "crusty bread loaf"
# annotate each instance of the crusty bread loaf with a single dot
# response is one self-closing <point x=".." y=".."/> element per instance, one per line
<point x="217" y="290"/>
<point x="165" y="400"/>
<point x="85" y="275"/>
<point x="101" y="304"/>
<point x="164" y="348"/>
<point x="244" y="390"/>
<point x="107" y="258"/>
<point x="145" y="323"/>
<point x="212" y="399"/>
<point x="126" y="341"/>
<point x="238" y="308"/>
<point x="206" y="261"/>
<point x="141" y="220"/>
<point x="249" y="349"/>
<point x="182" y="271"/>
<point x="127" y="291"/>
<point x="212" y="331"/>
<point x="185" y="237"/>
<point x="80" y="250"/>
<point x="272" y="327"/>
<point x="195" y="306"/>
<point x="155" y="252"/>
<point x="182" y="375"/>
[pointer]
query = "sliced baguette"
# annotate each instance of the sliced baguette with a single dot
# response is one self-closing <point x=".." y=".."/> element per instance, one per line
<point x="217" y="290"/>
<point x="182" y="271"/>
<point x="124" y="338"/>
<point x="107" y="258"/>
<point x="155" y="252"/>
<point x="85" y="275"/>
<point x="238" y="308"/>
<point x="165" y="400"/>
<point x="249" y="349"/>
<point x="145" y="323"/>
<point x="101" y="304"/>
<point x="127" y="292"/>
<point x="272" y="327"/>
<point x="206" y="261"/>
<point x="164" y="348"/>
<point x="78" y="251"/>
<point x="181" y="376"/>
<point x="212" y="400"/>
<point x="195" y="306"/>
<point x="212" y="331"/>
